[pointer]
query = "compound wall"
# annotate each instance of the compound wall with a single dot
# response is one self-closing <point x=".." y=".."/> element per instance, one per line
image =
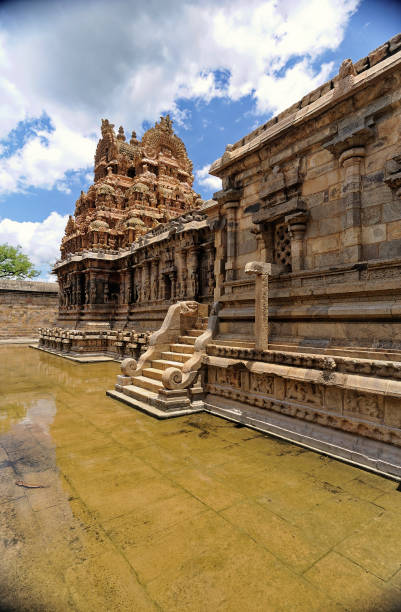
<point x="25" y="306"/>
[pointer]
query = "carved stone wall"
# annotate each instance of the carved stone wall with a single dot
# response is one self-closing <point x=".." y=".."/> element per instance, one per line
<point x="316" y="191"/>
<point x="310" y="389"/>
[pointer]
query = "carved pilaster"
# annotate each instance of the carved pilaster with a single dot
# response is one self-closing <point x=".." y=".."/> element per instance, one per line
<point x="230" y="199"/>
<point x="231" y="213"/>
<point x="349" y="147"/>
<point x="351" y="160"/>
<point x="193" y="272"/>
<point x="297" y="227"/>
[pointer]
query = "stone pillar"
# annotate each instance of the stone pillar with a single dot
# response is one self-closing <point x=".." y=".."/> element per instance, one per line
<point x="231" y="212"/>
<point x="217" y="227"/>
<point x="193" y="273"/>
<point x="261" y="271"/>
<point x="128" y="287"/>
<point x="210" y="268"/>
<point x="173" y="280"/>
<point x="79" y="290"/>
<point x="297" y="227"/>
<point x="184" y="275"/>
<point x="264" y="236"/>
<point x="145" y="282"/>
<point x="154" y="279"/>
<point x="92" y="290"/>
<point x="228" y="200"/>
<point x="106" y="291"/>
<point x="139" y="281"/>
<point x="87" y="296"/>
<point x="121" y="293"/>
<point x="351" y="160"/>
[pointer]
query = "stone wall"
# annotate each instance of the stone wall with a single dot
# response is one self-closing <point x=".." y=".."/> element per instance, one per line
<point x="25" y="306"/>
<point x="316" y="193"/>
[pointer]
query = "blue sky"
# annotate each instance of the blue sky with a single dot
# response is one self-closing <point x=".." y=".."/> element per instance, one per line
<point x="220" y="68"/>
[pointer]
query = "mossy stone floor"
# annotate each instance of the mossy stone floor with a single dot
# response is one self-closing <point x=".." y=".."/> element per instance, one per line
<point x="187" y="514"/>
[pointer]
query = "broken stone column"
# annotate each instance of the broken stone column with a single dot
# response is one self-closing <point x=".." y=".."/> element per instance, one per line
<point x="261" y="271"/>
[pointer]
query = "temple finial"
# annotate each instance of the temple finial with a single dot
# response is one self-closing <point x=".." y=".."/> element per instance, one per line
<point x="121" y="135"/>
<point x="134" y="139"/>
<point x="166" y="124"/>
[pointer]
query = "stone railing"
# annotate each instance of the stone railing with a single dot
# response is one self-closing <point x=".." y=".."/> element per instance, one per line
<point x="172" y="327"/>
<point x="115" y="343"/>
<point x="173" y="378"/>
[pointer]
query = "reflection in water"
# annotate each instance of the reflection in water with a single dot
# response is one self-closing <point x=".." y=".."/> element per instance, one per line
<point x="11" y="414"/>
<point x="44" y="530"/>
<point x="185" y="514"/>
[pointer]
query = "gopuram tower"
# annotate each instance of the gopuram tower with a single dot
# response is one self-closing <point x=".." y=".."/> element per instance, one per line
<point x="138" y="185"/>
<point x="137" y="241"/>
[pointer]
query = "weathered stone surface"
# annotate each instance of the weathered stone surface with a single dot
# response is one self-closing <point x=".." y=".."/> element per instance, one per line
<point x="25" y="306"/>
<point x="313" y="197"/>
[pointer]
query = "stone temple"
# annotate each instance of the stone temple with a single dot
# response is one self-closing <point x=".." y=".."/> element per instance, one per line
<point x="278" y="303"/>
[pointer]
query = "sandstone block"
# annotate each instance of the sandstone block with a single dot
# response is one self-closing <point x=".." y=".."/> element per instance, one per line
<point x="391" y="211"/>
<point x="371" y="215"/>
<point x="378" y="54"/>
<point x="395" y="43"/>
<point x="394" y="230"/>
<point x="350" y="236"/>
<point x="324" y="244"/>
<point x="390" y="249"/>
<point x="374" y="233"/>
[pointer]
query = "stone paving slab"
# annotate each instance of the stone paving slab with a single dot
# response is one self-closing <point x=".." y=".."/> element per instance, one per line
<point x="194" y="513"/>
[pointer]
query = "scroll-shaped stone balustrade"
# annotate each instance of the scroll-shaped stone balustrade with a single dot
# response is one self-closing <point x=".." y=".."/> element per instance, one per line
<point x="262" y="271"/>
<point x="173" y="378"/>
<point x="159" y="340"/>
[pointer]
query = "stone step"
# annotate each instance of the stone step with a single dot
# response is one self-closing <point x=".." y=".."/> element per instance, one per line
<point x="195" y="332"/>
<point x="170" y="356"/>
<point x="139" y="393"/>
<point x="187" y="339"/>
<point x="182" y="348"/>
<point x="163" y="364"/>
<point x="153" y="373"/>
<point x="147" y="383"/>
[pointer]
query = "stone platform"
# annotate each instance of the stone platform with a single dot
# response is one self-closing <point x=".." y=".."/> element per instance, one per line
<point x="79" y="358"/>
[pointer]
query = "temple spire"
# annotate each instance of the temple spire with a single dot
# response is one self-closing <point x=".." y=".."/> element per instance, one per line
<point x="121" y="135"/>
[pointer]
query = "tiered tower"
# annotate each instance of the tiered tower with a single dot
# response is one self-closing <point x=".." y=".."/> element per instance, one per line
<point x="138" y="185"/>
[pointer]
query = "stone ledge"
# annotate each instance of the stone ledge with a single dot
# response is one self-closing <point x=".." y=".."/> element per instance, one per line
<point x="83" y="359"/>
<point x="279" y="126"/>
<point x="33" y="286"/>
<point x="152" y="410"/>
<point x="372" y="455"/>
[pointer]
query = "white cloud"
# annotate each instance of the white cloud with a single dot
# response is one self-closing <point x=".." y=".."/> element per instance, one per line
<point x="39" y="240"/>
<point x="211" y="183"/>
<point x="44" y="160"/>
<point x="130" y="61"/>
<point x="277" y="94"/>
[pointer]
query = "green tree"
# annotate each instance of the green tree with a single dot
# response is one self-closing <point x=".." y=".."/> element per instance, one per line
<point x="15" y="264"/>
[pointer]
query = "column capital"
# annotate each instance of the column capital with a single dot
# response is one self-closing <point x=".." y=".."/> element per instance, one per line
<point x="351" y="137"/>
<point x="351" y="155"/>
<point x="230" y="196"/>
<point x="258" y="267"/>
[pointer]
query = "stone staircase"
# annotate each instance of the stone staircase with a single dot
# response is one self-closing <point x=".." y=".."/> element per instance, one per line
<point x="146" y="389"/>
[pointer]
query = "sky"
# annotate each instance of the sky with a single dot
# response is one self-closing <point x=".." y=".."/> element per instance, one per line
<point x="220" y="68"/>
